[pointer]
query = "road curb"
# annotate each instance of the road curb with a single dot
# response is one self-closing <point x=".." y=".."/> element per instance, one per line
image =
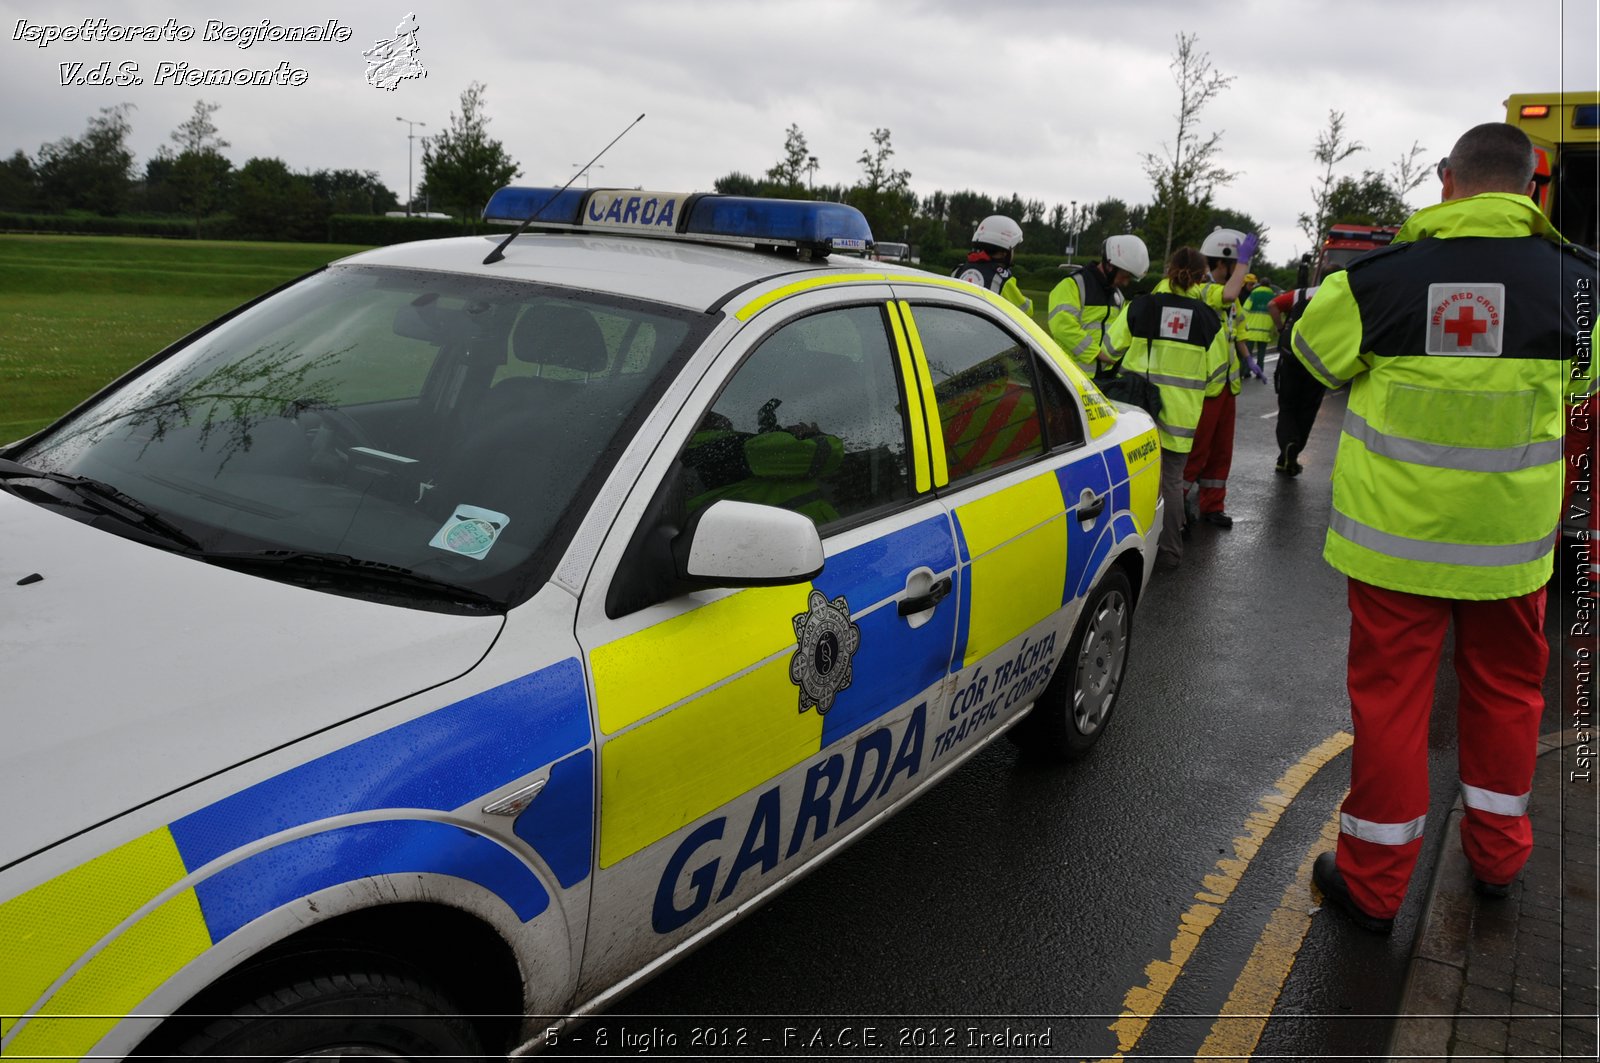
<point x="1436" y="973"/>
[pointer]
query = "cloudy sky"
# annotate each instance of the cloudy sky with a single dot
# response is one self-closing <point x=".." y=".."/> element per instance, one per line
<point x="1051" y="100"/>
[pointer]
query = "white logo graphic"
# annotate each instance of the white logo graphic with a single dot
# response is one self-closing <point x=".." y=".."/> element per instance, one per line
<point x="1466" y="319"/>
<point x="1175" y="323"/>
<point x="393" y="61"/>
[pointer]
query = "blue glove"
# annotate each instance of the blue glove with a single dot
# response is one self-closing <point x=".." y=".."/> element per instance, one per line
<point x="1255" y="368"/>
<point x="1247" y="247"/>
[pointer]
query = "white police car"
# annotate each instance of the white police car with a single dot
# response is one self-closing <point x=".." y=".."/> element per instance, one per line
<point x="441" y="635"/>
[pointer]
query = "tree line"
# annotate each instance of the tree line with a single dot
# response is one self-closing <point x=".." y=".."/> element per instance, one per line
<point x="463" y="165"/>
<point x="190" y="177"/>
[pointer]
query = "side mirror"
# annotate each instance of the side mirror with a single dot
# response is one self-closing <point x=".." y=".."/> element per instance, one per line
<point x="742" y="544"/>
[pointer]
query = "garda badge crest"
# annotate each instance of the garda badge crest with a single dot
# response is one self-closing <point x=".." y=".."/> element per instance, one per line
<point x="826" y="641"/>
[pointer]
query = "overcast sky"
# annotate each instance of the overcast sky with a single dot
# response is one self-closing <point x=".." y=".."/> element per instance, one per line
<point x="1052" y="100"/>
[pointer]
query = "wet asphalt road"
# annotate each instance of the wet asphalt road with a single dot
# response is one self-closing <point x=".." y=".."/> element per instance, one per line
<point x="1012" y="889"/>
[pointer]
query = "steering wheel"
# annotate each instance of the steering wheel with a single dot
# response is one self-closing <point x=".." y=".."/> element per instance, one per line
<point x="345" y="430"/>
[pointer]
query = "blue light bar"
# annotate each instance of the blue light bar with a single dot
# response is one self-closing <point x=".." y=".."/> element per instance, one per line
<point x="687" y="216"/>
<point x="514" y="205"/>
<point x="802" y="222"/>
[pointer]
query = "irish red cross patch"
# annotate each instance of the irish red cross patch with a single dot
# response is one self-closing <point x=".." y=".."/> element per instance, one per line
<point x="1466" y="319"/>
<point x="1175" y="323"/>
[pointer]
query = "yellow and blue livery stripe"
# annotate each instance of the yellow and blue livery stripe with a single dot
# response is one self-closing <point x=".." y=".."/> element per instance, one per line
<point x="94" y="941"/>
<point x="712" y="688"/>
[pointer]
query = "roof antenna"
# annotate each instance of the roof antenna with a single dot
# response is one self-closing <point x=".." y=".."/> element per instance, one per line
<point x="499" y="252"/>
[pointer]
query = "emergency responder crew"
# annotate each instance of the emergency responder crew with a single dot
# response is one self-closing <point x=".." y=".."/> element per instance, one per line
<point x="1175" y="339"/>
<point x="989" y="264"/>
<point x="1212" y="455"/>
<point x="1299" y="393"/>
<point x="1458" y="346"/>
<point x="1258" y="326"/>
<point x="1082" y="304"/>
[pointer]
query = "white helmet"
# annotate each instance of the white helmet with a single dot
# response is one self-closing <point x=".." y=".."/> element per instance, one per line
<point x="1129" y="253"/>
<point x="1222" y="243"/>
<point x="997" y="230"/>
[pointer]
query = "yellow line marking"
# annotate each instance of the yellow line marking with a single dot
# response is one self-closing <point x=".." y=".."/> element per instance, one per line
<point x="1141" y="1003"/>
<point x="1239" y="1025"/>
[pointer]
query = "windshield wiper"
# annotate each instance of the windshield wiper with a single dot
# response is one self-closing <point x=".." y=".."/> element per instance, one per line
<point x="105" y="499"/>
<point x="344" y="569"/>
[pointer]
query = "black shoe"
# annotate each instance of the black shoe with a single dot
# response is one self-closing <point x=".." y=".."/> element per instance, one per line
<point x="1218" y="519"/>
<point x="1290" y="453"/>
<point x="1325" y="873"/>
<point x="1497" y="891"/>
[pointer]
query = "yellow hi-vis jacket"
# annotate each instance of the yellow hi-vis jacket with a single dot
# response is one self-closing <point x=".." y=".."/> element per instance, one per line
<point x="1458" y="341"/>
<point x="1257" y="319"/>
<point x="1080" y="308"/>
<point x="1178" y="341"/>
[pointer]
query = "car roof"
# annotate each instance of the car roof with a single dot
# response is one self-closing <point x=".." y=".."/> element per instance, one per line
<point x="691" y="274"/>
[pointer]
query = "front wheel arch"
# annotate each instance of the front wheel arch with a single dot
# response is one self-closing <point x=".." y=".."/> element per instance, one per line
<point x="456" y="950"/>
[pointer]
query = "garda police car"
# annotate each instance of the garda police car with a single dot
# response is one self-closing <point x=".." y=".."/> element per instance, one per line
<point x="448" y="632"/>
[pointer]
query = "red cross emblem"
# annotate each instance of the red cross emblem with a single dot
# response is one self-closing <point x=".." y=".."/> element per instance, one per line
<point x="1464" y="326"/>
<point x="1175" y="326"/>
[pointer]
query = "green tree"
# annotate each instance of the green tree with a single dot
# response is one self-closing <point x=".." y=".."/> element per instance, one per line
<point x="1407" y="172"/>
<point x="353" y="191"/>
<point x="91" y="172"/>
<point x="463" y="166"/>
<point x="273" y="203"/>
<point x="1367" y="200"/>
<point x="199" y="176"/>
<point x="967" y="209"/>
<point x="19" y="186"/>
<point x="884" y="192"/>
<point x="796" y="164"/>
<point x="1332" y="148"/>
<point x="1186" y="173"/>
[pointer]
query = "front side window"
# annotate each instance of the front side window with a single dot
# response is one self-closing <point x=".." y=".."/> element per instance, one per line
<point x="811" y="421"/>
<point x="440" y="425"/>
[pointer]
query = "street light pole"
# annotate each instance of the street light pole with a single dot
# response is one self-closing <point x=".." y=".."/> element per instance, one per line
<point x="598" y="166"/>
<point x="410" y="136"/>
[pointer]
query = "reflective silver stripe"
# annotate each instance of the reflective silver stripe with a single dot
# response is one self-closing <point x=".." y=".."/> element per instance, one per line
<point x="1176" y="381"/>
<point x="1408" y="549"/>
<point x="1217" y="373"/>
<point x="1068" y="308"/>
<point x="1085" y="343"/>
<point x="1304" y="348"/>
<point x="1440" y="456"/>
<point x="1500" y="804"/>
<point x="1381" y="833"/>
<point x="1174" y="430"/>
<point x="1213" y="483"/>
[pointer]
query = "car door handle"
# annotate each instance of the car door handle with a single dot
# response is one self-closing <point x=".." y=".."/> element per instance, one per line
<point x="921" y="603"/>
<point x="1090" y="509"/>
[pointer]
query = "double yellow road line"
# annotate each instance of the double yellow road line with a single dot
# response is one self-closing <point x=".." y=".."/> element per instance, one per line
<point x="1243" y="1018"/>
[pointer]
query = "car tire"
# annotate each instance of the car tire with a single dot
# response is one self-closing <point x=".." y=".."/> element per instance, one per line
<point x="1076" y="706"/>
<point x="361" y="1009"/>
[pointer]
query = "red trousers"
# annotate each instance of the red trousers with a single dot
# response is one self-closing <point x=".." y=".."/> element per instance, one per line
<point x="1212" y="455"/>
<point x="1500" y="658"/>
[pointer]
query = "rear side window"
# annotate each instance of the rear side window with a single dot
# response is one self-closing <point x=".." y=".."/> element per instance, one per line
<point x="987" y="393"/>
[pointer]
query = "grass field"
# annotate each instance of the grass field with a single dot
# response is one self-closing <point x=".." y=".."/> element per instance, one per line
<point x="77" y="311"/>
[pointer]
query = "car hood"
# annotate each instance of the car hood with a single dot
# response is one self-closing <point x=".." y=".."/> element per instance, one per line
<point x="127" y="672"/>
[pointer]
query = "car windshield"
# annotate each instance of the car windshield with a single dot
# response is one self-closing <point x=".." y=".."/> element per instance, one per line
<point x="437" y="424"/>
